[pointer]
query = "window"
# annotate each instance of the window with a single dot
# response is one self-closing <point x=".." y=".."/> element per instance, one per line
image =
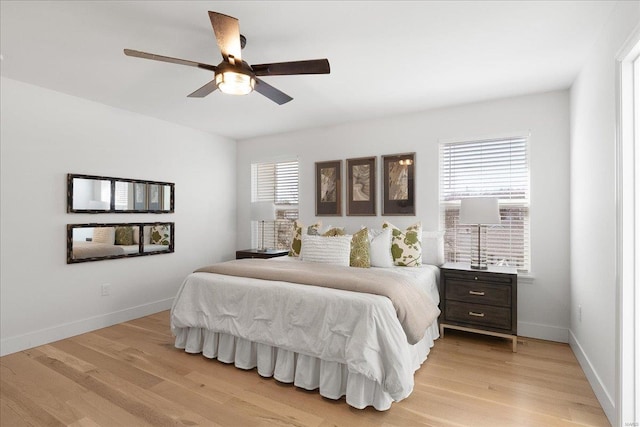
<point x="105" y="191"/>
<point x="122" y="195"/>
<point x="490" y="168"/>
<point x="277" y="183"/>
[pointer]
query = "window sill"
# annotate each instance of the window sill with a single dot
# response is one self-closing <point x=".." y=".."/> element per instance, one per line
<point x="527" y="278"/>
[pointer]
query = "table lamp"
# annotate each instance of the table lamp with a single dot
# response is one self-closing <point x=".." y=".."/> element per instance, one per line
<point x="479" y="211"/>
<point x="263" y="211"/>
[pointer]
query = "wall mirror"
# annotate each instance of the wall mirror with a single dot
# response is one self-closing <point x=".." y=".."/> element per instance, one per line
<point x="95" y="242"/>
<point x="101" y="194"/>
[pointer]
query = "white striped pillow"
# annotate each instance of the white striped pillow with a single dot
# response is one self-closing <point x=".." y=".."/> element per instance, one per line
<point x="327" y="249"/>
<point x="104" y="235"/>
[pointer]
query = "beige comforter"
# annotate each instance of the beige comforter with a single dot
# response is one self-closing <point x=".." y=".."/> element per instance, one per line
<point x="84" y="250"/>
<point x="414" y="308"/>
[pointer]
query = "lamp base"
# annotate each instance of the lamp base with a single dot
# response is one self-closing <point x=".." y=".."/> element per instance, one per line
<point x="262" y="249"/>
<point x="478" y="253"/>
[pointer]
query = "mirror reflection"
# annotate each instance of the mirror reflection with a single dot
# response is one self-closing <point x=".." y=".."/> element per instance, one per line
<point x="91" y="194"/>
<point x="93" y="242"/>
<point x="94" y="194"/>
<point x="140" y="196"/>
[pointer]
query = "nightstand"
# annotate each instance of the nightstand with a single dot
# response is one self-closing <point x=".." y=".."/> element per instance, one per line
<point x="255" y="253"/>
<point x="480" y="301"/>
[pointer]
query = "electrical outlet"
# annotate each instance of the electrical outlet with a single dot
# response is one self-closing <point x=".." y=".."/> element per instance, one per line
<point x="580" y="313"/>
<point x="106" y="289"/>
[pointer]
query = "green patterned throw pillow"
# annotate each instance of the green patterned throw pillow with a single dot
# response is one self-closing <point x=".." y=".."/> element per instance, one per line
<point x="334" y="231"/>
<point x="360" y="256"/>
<point x="124" y="236"/>
<point x="159" y="235"/>
<point x="406" y="246"/>
<point x="296" y="236"/>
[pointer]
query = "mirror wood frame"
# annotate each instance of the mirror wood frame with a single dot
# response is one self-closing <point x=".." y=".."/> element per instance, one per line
<point x="112" y="205"/>
<point x="141" y="252"/>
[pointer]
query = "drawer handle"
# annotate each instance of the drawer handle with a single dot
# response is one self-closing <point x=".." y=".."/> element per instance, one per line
<point x="475" y="278"/>
<point x="479" y="293"/>
<point x="473" y="313"/>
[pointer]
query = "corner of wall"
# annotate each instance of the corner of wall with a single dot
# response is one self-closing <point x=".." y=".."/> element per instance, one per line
<point x="605" y="399"/>
<point x="543" y="332"/>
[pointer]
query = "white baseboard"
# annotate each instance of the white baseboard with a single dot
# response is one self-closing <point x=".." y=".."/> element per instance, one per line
<point x="543" y="332"/>
<point x="607" y="403"/>
<point x="59" y="332"/>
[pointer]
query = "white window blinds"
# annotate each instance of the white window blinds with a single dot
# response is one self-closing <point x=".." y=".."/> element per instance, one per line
<point x="122" y="195"/>
<point x="277" y="183"/>
<point x="490" y="168"/>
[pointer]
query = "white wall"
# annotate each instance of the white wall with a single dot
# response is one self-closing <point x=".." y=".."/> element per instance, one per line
<point x="543" y="302"/>
<point x="46" y="135"/>
<point x="593" y="208"/>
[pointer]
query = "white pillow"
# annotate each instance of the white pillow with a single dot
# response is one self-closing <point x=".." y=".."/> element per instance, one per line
<point x="380" y="249"/>
<point x="326" y="249"/>
<point x="104" y="235"/>
<point x="433" y="247"/>
<point x="406" y="245"/>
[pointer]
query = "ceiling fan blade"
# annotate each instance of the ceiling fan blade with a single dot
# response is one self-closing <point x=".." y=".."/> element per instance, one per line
<point x="312" y="66"/>
<point x="272" y="93"/>
<point x="227" y="32"/>
<point x="155" y="57"/>
<point x="204" y="90"/>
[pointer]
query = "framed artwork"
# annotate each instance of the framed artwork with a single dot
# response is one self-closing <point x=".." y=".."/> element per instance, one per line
<point x="328" y="183"/>
<point x="154" y="197"/>
<point x="361" y="186"/>
<point x="398" y="177"/>
<point x="139" y="196"/>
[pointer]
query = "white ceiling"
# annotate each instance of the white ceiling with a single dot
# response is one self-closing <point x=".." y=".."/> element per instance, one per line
<point x="387" y="58"/>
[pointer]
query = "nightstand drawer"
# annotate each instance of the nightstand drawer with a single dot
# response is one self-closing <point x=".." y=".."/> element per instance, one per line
<point x="478" y="293"/>
<point x="478" y="315"/>
<point x="481" y="276"/>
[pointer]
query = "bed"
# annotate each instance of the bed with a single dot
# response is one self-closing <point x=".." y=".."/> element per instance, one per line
<point x="340" y="342"/>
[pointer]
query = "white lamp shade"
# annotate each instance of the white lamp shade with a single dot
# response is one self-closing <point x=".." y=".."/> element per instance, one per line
<point x="263" y="211"/>
<point x="479" y="210"/>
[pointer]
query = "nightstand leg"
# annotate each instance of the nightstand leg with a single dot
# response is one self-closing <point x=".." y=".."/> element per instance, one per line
<point x="515" y="343"/>
<point x="441" y="331"/>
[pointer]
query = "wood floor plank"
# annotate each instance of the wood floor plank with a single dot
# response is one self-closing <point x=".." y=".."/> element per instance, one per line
<point x="142" y="357"/>
<point x="132" y="375"/>
<point x="237" y="394"/>
<point x="85" y="422"/>
<point x="102" y="361"/>
<point x="12" y="415"/>
<point x="222" y="414"/>
<point x="33" y="408"/>
<point x="104" y="412"/>
<point x="550" y="382"/>
<point x="68" y="359"/>
<point x="136" y="400"/>
<point x="37" y="383"/>
<point x="20" y="370"/>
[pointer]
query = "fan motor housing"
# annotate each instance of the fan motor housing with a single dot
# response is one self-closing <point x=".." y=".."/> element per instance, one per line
<point x="242" y="68"/>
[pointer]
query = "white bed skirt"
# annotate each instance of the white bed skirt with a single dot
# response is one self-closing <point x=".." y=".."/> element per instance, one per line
<point x="310" y="373"/>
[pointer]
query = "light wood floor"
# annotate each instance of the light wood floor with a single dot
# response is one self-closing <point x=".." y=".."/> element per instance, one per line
<point x="131" y="375"/>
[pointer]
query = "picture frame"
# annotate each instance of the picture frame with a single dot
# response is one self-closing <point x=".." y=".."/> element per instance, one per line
<point x="139" y="196"/>
<point x="154" y="197"/>
<point x="398" y="174"/>
<point x="328" y="186"/>
<point x="361" y="186"/>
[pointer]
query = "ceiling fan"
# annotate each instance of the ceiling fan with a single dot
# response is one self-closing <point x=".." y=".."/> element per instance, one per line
<point x="233" y="75"/>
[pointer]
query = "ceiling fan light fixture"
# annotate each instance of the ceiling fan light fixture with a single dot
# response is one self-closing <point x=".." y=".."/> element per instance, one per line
<point x="234" y="83"/>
